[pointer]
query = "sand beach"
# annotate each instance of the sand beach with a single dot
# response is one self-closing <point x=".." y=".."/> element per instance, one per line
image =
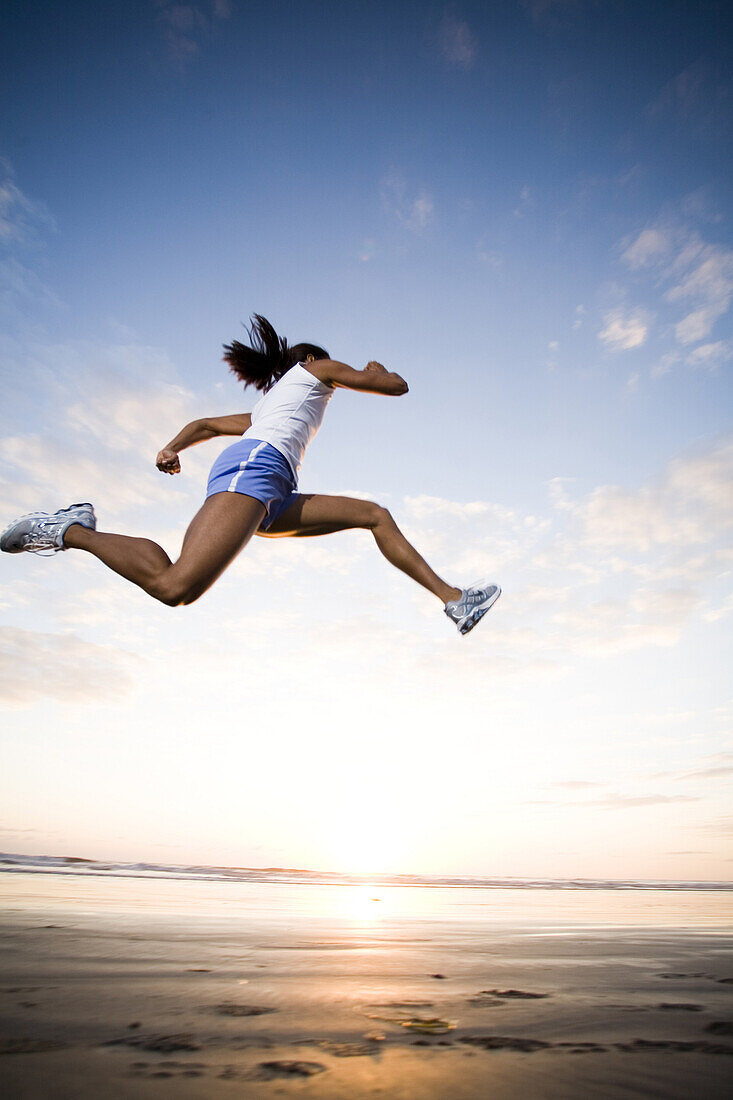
<point x="127" y="987"/>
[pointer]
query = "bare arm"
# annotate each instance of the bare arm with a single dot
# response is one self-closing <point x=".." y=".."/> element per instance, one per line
<point x="196" y="432"/>
<point x="373" y="379"/>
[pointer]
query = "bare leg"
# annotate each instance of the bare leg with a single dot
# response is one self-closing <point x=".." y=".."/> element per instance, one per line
<point x="317" y="514"/>
<point x="220" y="529"/>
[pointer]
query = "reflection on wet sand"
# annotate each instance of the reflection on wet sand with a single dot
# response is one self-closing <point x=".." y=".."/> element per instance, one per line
<point x="130" y="987"/>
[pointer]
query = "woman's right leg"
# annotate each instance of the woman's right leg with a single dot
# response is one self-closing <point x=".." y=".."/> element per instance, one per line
<point x="220" y="529"/>
<point x="319" y="514"/>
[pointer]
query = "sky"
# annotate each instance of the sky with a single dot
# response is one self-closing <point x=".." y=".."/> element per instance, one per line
<point x="525" y="209"/>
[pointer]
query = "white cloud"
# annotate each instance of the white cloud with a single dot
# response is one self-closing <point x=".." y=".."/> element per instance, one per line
<point x="692" y="503"/>
<point x="698" y="275"/>
<point x="36" y="666"/>
<point x="624" y="331"/>
<point x="102" y="449"/>
<point x="648" y="246"/>
<point x="458" y="43"/>
<point x="710" y="355"/>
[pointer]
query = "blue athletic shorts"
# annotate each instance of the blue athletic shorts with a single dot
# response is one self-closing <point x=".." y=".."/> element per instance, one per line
<point x="258" y="470"/>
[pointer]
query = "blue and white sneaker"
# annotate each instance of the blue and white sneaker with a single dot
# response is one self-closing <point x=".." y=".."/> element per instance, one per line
<point x="44" y="531"/>
<point x="475" y="601"/>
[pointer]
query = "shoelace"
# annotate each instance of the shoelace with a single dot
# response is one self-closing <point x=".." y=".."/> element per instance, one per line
<point x="37" y="543"/>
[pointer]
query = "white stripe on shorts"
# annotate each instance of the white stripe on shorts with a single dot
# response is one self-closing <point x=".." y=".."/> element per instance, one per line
<point x="232" y="487"/>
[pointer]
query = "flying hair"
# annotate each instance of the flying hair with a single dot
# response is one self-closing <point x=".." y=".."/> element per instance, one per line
<point x="268" y="356"/>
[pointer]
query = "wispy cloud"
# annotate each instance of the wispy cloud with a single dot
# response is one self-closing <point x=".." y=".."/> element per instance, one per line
<point x="697" y="275"/>
<point x="185" y="26"/>
<point x="713" y="767"/>
<point x="458" y="43"/>
<point x="36" y="666"/>
<point x="629" y="802"/>
<point x="624" y="331"/>
<point x="132" y="405"/>
<point x="617" y="801"/>
<point x="698" y="98"/>
<point x="414" y="208"/>
<point x="20" y="216"/>
<point x="691" y="503"/>
<point x="556" y="13"/>
<point x="23" y="222"/>
<point x="576" y="784"/>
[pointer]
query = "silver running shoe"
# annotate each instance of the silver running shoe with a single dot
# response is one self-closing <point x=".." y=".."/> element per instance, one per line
<point x="473" y="605"/>
<point x="39" y="532"/>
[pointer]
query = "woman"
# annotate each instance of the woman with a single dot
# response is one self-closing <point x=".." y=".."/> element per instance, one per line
<point x="252" y="486"/>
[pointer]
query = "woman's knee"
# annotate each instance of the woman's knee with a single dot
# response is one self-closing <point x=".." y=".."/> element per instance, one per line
<point x="175" y="591"/>
<point x="378" y="516"/>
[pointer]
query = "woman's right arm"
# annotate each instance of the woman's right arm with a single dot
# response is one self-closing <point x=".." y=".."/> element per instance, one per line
<point x="373" y="379"/>
<point x="196" y="432"/>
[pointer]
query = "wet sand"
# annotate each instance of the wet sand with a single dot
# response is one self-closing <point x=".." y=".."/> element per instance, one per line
<point x="133" y="989"/>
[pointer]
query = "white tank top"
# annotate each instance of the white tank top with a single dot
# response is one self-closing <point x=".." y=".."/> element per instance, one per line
<point x="290" y="414"/>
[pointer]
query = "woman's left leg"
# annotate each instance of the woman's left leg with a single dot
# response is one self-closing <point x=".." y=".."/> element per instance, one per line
<point x="220" y="529"/>
<point x="318" y="514"/>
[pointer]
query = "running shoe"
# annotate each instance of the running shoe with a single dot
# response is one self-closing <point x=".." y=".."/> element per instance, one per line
<point x="44" y="531"/>
<point x="475" y="601"/>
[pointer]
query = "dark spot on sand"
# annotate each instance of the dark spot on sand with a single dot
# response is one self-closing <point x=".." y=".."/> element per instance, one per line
<point x="505" y="1042"/>
<point x="583" y="1048"/>
<point x="28" y="1004"/>
<point x="168" y="1069"/>
<point x="421" y="1043"/>
<point x="673" y="1006"/>
<point x="242" y="1010"/>
<point x="347" y="1050"/>
<point x="268" y="1070"/>
<point x="695" y="1046"/>
<point x="198" y="970"/>
<point x="405" y="1004"/>
<point x="160" y="1044"/>
<point x="30" y="1046"/>
<point x="134" y="1025"/>
<point x="512" y="994"/>
<point x="724" y="981"/>
<point x="674" y="976"/>
<point x="440" y="977"/>
<point x="720" y="1027"/>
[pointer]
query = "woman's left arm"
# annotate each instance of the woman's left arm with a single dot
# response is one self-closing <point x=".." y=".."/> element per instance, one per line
<point x="196" y="432"/>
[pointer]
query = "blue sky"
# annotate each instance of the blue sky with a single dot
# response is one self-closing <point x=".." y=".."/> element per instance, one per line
<point x="525" y="209"/>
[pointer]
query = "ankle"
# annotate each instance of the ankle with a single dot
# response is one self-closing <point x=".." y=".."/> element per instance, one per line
<point x="76" y="535"/>
<point x="453" y="594"/>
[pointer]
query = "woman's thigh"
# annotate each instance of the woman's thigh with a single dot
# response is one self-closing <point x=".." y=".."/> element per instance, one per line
<point x="319" y="514"/>
<point x="220" y="529"/>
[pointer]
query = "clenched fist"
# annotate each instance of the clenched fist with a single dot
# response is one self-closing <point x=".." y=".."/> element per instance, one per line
<point x="168" y="462"/>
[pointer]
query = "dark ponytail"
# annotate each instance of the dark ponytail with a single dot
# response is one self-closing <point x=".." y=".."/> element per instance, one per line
<point x="268" y="358"/>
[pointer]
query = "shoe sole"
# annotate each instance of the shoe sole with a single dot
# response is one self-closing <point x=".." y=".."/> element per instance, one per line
<point x="478" y="613"/>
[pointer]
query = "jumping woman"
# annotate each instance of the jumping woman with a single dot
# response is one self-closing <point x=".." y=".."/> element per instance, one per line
<point x="252" y="488"/>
